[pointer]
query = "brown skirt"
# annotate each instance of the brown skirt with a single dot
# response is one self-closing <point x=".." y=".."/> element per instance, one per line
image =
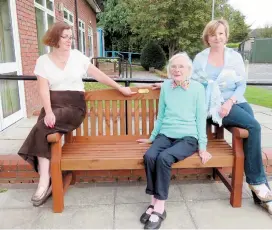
<point x="69" y="108"/>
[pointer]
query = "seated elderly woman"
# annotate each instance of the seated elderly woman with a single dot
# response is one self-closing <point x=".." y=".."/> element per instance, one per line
<point x="179" y="132"/>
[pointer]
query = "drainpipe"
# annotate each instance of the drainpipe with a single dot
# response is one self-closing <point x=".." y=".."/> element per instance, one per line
<point x="76" y="27"/>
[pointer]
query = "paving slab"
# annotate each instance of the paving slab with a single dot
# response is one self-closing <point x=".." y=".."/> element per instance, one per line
<point x="90" y="217"/>
<point x="128" y="193"/>
<point x="127" y="216"/>
<point x="208" y="191"/>
<point x="15" y="133"/>
<point x="10" y="146"/>
<point x="218" y="214"/>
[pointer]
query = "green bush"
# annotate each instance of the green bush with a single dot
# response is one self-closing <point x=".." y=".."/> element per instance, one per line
<point x="233" y="45"/>
<point x="153" y="55"/>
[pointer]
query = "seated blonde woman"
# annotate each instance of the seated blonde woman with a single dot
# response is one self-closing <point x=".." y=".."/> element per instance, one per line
<point x="179" y="132"/>
<point x="223" y="69"/>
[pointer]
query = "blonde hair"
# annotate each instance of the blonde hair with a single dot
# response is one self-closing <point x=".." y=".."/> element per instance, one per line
<point x="211" y="27"/>
<point x="181" y="54"/>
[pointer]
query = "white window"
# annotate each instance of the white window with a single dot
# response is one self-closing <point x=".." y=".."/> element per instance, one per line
<point x="81" y="38"/>
<point x="45" y="17"/>
<point x="12" y="103"/>
<point x="68" y="17"/>
<point x="90" y="40"/>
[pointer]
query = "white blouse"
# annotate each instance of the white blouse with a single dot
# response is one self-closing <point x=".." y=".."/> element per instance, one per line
<point x="70" y="78"/>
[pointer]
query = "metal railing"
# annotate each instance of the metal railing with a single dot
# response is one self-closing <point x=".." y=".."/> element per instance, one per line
<point x="114" y="53"/>
<point x="127" y="81"/>
<point x="124" y="67"/>
<point x="95" y="61"/>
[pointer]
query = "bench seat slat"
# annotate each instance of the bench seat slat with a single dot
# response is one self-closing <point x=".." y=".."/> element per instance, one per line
<point x="137" y="163"/>
<point x="129" y="155"/>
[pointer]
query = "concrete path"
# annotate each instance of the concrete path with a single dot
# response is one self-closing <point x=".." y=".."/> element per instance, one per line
<point x="119" y="206"/>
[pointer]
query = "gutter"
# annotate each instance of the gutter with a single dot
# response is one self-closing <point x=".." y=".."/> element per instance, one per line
<point x="94" y="6"/>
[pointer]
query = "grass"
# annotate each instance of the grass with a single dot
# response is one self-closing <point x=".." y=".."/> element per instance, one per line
<point x="3" y="190"/>
<point x="89" y="86"/>
<point x="259" y="96"/>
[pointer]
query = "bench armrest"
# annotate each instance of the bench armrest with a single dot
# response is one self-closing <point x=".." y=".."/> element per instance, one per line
<point x="53" y="138"/>
<point x="238" y="132"/>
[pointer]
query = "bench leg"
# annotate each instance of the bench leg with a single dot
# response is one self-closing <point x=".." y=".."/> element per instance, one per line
<point x="57" y="187"/>
<point x="73" y="178"/>
<point x="56" y="177"/>
<point x="215" y="175"/>
<point x="237" y="173"/>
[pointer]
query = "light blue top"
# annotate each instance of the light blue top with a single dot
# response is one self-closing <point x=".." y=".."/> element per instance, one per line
<point x="233" y="62"/>
<point x="182" y="113"/>
<point x="213" y="71"/>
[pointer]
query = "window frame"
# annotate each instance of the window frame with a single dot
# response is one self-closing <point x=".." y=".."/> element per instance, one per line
<point x="91" y="36"/>
<point x="67" y="20"/>
<point x="82" y="30"/>
<point x="46" y="12"/>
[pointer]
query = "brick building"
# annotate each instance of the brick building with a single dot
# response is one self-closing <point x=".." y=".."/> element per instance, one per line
<point x="22" y="25"/>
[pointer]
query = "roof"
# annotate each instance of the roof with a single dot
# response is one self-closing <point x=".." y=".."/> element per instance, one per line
<point x="255" y="33"/>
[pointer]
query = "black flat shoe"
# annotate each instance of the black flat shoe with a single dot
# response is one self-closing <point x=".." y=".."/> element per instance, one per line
<point x="155" y="225"/>
<point x="144" y="217"/>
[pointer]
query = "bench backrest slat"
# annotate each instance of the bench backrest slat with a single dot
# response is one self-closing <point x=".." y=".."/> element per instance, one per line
<point x="108" y="112"/>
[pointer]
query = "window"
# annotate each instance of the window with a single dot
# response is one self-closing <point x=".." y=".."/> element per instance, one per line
<point x="68" y="17"/>
<point x="90" y="41"/>
<point x="7" y="53"/>
<point x="81" y="38"/>
<point x="45" y="17"/>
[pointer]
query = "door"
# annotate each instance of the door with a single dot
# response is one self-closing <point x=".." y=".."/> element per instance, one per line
<point x="11" y="92"/>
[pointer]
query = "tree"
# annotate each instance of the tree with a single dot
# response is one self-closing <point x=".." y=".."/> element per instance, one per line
<point x="175" y="24"/>
<point x="239" y="30"/>
<point x="153" y="56"/>
<point x="114" y="22"/>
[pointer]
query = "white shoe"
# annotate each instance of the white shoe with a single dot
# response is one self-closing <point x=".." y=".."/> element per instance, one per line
<point x="267" y="206"/>
<point x="263" y="194"/>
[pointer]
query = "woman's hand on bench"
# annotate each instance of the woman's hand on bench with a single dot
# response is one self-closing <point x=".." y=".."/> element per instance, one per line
<point x="126" y="91"/>
<point x="205" y="156"/>
<point x="156" y="85"/>
<point x="144" y="141"/>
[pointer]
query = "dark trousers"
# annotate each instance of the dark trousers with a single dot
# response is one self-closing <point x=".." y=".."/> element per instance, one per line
<point x="158" y="161"/>
<point x="241" y="115"/>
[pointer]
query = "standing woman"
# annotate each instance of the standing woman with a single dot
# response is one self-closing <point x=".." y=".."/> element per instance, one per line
<point x="61" y="89"/>
<point x="224" y="67"/>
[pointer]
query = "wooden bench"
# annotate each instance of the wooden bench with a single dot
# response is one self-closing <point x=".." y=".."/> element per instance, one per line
<point x="104" y="142"/>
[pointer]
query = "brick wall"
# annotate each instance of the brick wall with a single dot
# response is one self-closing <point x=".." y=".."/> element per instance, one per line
<point x="29" y="43"/>
<point x="29" y="50"/>
<point x="87" y="17"/>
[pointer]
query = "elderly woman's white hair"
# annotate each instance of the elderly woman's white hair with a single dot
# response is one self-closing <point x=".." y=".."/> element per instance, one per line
<point x="181" y="54"/>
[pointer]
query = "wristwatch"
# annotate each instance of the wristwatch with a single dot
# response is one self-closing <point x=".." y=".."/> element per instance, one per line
<point x="233" y="102"/>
